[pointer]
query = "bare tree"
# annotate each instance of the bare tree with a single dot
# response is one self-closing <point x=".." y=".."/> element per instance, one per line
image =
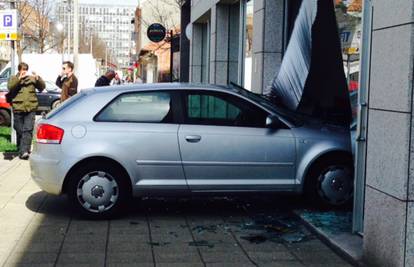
<point x="161" y="11"/>
<point x="35" y="23"/>
<point x="24" y="9"/>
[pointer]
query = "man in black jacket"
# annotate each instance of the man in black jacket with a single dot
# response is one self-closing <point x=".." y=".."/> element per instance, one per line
<point x="106" y="79"/>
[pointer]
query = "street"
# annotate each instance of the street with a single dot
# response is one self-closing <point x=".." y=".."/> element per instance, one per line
<point x="38" y="229"/>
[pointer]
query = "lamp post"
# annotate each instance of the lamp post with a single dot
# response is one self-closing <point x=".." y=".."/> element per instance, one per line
<point x="75" y="33"/>
<point x="59" y="28"/>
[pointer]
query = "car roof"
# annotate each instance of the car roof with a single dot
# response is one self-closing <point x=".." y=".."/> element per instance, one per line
<point x="162" y="86"/>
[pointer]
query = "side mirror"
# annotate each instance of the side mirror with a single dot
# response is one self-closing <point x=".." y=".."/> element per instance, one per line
<point x="272" y="122"/>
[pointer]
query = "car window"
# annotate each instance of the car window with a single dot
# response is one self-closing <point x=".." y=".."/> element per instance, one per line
<point x="147" y="107"/>
<point x="213" y="108"/>
<point x="6" y="74"/>
<point x="3" y="86"/>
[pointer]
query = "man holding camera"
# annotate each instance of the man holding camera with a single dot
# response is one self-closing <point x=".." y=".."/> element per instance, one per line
<point x="22" y="89"/>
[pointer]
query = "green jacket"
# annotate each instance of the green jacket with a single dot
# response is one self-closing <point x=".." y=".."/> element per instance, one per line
<point x="26" y="99"/>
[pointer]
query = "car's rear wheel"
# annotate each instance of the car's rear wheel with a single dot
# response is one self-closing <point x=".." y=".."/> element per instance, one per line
<point x="331" y="183"/>
<point x="5" y="118"/>
<point x="99" y="190"/>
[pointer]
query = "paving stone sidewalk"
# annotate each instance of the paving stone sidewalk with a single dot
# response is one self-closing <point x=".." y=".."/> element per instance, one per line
<point x="38" y="229"/>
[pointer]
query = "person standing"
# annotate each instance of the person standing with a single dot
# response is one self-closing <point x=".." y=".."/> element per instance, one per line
<point x="117" y="80"/>
<point x="67" y="81"/>
<point x="23" y="87"/>
<point x="105" y="80"/>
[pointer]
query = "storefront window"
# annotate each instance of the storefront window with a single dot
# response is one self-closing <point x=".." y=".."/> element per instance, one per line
<point x="349" y="18"/>
<point x="248" y="45"/>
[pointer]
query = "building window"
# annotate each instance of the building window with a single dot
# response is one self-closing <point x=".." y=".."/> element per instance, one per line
<point x="247" y="44"/>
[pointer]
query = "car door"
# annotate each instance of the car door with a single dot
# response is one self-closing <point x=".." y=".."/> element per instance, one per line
<point x="225" y="145"/>
<point x="143" y="124"/>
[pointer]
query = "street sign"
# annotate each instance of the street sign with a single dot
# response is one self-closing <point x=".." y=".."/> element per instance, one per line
<point x="9" y="25"/>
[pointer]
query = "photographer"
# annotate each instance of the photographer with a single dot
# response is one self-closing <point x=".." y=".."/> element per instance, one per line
<point x="22" y="90"/>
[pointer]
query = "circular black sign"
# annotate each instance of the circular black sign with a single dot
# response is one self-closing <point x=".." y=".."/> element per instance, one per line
<point x="156" y="32"/>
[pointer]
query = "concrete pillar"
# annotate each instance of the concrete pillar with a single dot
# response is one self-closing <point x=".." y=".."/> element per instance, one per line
<point x="234" y="43"/>
<point x="268" y="23"/>
<point x="219" y="44"/>
<point x="196" y="53"/>
<point x="184" y="43"/>
<point x="389" y="206"/>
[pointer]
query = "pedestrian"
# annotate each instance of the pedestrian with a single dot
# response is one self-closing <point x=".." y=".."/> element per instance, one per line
<point x="22" y="89"/>
<point x="105" y="80"/>
<point x="130" y="76"/>
<point x="67" y="81"/>
<point x="117" y="79"/>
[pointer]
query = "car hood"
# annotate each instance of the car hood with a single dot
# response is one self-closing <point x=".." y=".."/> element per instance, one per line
<point x="311" y="79"/>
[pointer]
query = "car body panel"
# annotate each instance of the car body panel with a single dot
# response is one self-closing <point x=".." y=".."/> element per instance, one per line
<point x="242" y="156"/>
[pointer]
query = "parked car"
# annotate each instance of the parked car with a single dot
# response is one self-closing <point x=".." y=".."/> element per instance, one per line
<point x="105" y="145"/>
<point x="48" y="98"/>
<point x="5" y="109"/>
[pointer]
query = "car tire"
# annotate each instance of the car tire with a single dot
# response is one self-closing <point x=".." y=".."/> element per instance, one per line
<point x="99" y="190"/>
<point x="331" y="183"/>
<point x="5" y="118"/>
<point x="55" y="104"/>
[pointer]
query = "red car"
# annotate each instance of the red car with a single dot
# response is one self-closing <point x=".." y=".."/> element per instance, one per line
<point x="5" y="110"/>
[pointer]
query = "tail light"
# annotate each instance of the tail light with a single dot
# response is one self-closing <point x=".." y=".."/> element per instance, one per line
<point x="49" y="134"/>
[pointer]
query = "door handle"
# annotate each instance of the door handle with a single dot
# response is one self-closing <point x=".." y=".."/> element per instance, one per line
<point x="193" y="138"/>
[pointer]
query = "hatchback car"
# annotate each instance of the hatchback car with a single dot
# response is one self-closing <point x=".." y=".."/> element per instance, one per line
<point x="105" y="145"/>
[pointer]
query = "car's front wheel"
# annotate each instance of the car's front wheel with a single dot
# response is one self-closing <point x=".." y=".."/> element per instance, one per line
<point x="99" y="190"/>
<point x="331" y="183"/>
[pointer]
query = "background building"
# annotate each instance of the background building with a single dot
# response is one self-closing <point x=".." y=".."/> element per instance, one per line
<point x="112" y="24"/>
<point x="155" y="58"/>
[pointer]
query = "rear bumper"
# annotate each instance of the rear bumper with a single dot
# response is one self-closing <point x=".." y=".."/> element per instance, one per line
<point x="45" y="173"/>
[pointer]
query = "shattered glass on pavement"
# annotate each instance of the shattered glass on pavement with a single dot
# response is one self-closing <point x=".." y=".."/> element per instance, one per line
<point x="333" y="222"/>
<point x="279" y="228"/>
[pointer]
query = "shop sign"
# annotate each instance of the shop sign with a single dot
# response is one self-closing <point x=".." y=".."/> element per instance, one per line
<point x="156" y="32"/>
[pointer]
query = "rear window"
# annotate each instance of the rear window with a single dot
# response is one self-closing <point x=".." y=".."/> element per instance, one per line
<point x="146" y="107"/>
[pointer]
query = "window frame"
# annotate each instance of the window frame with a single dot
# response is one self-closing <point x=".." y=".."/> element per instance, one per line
<point x="227" y="95"/>
<point x="175" y="103"/>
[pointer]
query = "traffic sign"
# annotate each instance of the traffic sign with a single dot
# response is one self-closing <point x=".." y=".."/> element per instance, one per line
<point x="9" y="25"/>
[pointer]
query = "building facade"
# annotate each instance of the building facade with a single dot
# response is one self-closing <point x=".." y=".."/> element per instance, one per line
<point x="111" y="23"/>
<point x="237" y="41"/>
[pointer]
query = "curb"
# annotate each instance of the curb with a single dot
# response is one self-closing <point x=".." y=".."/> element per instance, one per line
<point x="335" y="246"/>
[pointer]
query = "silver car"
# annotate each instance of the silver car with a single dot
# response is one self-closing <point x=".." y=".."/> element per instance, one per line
<point x="105" y="145"/>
